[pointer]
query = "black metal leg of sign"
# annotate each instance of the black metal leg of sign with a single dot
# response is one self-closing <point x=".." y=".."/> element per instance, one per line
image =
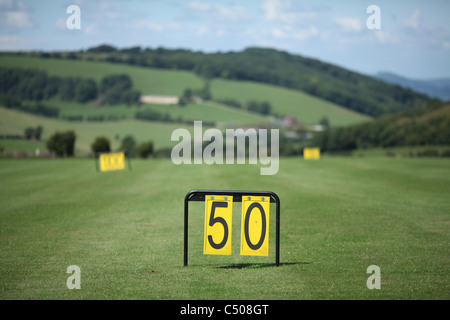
<point x="199" y="195"/>
<point x="277" y="235"/>
<point x="186" y="214"/>
<point x="128" y="157"/>
<point x="96" y="162"/>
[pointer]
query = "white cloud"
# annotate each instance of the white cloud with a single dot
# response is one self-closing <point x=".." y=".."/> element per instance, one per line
<point x="287" y="32"/>
<point x="12" y="5"/>
<point x="349" y="24"/>
<point x="147" y="25"/>
<point x="385" y="36"/>
<point x="6" y="4"/>
<point x="8" y="42"/>
<point x="199" y="6"/>
<point x="61" y="24"/>
<point x="14" y="15"/>
<point x="283" y="11"/>
<point x="7" y="38"/>
<point x="232" y="13"/>
<point x="306" y="33"/>
<point x="415" y="20"/>
<point x="419" y="33"/>
<point x="18" y="19"/>
<point x="91" y="30"/>
<point x="278" y="33"/>
<point x="201" y="31"/>
<point x="274" y="9"/>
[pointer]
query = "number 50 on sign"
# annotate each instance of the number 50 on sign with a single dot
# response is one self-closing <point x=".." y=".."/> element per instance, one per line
<point x="254" y="225"/>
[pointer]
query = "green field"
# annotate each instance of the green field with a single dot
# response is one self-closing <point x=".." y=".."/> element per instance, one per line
<point x="207" y="112"/>
<point x="15" y="122"/>
<point x="306" y="108"/>
<point x="125" y="230"/>
<point x="146" y="80"/>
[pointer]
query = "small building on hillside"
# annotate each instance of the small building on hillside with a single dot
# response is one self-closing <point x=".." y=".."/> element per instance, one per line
<point x="290" y="121"/>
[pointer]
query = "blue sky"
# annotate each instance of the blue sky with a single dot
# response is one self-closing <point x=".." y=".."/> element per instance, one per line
<point x="414" y="39"/>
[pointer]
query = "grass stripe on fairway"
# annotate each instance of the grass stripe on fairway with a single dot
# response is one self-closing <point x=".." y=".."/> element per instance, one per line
<point x="125" y="230"/>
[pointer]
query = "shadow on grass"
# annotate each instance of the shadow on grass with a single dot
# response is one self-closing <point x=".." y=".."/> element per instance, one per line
<point x="259" y="265"/>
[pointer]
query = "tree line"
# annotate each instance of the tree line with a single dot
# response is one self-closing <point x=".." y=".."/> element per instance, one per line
<point x="189" y="95"/>
<point x="152" y="115"/>
<point x="427" y="126"/>
<point x="62" y="144"/>
<point x="19" y="87"/>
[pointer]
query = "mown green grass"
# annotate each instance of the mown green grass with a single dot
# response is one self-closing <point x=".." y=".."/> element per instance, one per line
<point x="125" y="230"/>
<point x="16" y="145"/>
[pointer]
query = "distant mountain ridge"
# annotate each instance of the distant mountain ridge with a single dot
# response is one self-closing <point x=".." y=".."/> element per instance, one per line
<point x="435" y="88"/>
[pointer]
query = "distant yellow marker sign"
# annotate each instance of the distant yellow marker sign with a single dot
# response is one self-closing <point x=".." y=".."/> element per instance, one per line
<point x="112" y="161"/>
<point x="255" y="226"/>
<point x="218" y="219"/>
<point x="311" y="153"/>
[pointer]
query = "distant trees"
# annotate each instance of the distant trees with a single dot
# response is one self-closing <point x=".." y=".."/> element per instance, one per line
<point x="145" y="149"/>
<point x="189" y="94"/>
<point x="408" y="128"/>
<point x="151" y="115"/>
<point x="103" y="48"/>
<point x="86" y="90"/>
<point x="260" y="107"/>
<point x="128" y="145"/>
<point x="117" y="89"/>
<point x="100" y="144"/>
<point x="325" y="122"/>
<point x="62" y="143"/>
<point x="33" y="133"/>
<point x="25" y="89"/>
<point x="37" y="108"/>
<point x="186" y="97"/>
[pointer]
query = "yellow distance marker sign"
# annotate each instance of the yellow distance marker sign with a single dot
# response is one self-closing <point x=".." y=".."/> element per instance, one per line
<point x="218" y="218"/>
<point x="112" y="161"/>
<point x="311" y="153"/>
<point x="255" y="226"/>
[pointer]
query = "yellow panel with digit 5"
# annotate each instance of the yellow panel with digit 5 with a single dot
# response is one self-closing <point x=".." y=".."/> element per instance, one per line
<point x="218" y="218"/>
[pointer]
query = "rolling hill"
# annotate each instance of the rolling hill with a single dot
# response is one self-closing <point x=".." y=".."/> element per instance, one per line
<point x="307" y="108"/>
<point x="335" y="84"/>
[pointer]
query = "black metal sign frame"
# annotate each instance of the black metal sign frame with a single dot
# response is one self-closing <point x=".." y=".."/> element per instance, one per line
<point x="199" y="195"/>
